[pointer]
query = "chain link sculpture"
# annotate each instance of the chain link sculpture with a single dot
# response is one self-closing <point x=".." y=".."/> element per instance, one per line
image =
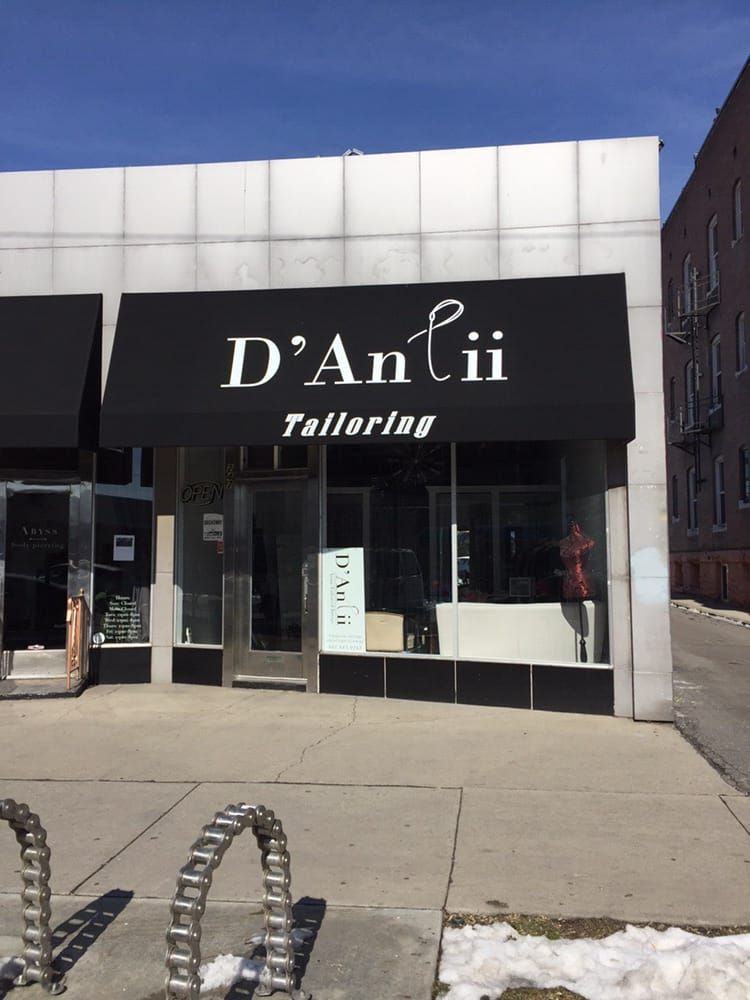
<point x="37" y="936"/>
<point x="183" y="958"/>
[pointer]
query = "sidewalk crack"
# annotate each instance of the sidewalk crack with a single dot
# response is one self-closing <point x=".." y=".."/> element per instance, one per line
<point x="734" y="815"/>
<point x="150" y="826"/>
<point x="316" y="743"/>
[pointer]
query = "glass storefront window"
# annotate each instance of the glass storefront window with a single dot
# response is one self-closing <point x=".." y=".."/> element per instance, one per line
<point x="201" y="484"/>
<point x="389" y="505"/>
<point x="529" y="581"/>
<point x="532" y="557"/>
<point x="121" y="605"/>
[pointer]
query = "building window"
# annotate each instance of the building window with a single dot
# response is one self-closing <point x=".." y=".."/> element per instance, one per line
<point x="675" y="499"/>
<point x="199" y="551"/>
<point x="740" y="342"/>
<point x="737" y="211"/>
<point x="505" y="559"/>
<point x="691" y="394"/>
<point x="687" y="285"/>
<point x="720" y="508"/>
<point x="716" y="396"/>
<point x="713" y="253"/>
<point x="670" y="303"/>
<point x="123" y="544"/>
<point x="692" y="499"/>
<point x="724" y="582"/>
<point x="744" y="471"/>
<point x="672" y="398"/>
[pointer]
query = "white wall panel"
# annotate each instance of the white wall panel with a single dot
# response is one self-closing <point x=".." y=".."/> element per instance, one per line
<point x="89" y="207"/>
<point x="26" y="209"/>
<point x="646" y="348"/>
<point x="232" y="201"/>
<point x="78" y="270"/>
<point x="538" y="185"/>
<point x="619" y="180"/>
<point x="378" y="260"/>
<point x="539" y="252"/>
<point x="647" y="462"/>
<point x="307" y="198"/>
<point x="381" y="194"/>
<point x="459" y="189"/>
<point x="160" y="204"/>
<point x="233" y="265"/>
<point x="306" y="263"/>
<point x="26" y="272"/>
<point x="160" y="268"/>
<point x="632" y="247"/>
<point x="460" y="256"/>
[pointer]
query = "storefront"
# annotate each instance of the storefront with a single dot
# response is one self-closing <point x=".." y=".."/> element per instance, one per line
<point x="408" y="489"/>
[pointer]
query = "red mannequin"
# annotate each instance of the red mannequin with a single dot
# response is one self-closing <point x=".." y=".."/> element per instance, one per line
<point x="574" y="551"/>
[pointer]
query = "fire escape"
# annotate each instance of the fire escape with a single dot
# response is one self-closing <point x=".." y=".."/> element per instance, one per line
<point x="702" y="412"/>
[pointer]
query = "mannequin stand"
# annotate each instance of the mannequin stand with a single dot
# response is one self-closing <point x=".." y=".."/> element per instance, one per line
<point x="584" y="657"/>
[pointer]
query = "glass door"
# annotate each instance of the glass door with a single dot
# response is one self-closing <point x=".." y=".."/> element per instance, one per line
<point x="274" y="627"/>
<point x="42" y="563"/>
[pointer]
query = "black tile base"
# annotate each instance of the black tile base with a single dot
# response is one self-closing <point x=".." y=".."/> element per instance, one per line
<point x="573" y="689"/>
<point x="503" y="685"/>
<point x="357" y="675"/>
<point x="197" y="666"/>
<point x="419" y="679"/>
<point x="110" y="665"/>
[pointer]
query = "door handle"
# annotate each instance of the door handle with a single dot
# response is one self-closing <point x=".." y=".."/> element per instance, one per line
<point x="305" y="589"/>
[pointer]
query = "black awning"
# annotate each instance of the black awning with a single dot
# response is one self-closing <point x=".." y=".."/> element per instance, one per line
<point x="50" y="371"/>
<point x="528" y="359"/>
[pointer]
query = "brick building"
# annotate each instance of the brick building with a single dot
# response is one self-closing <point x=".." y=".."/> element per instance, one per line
<point x="706" y="288"/>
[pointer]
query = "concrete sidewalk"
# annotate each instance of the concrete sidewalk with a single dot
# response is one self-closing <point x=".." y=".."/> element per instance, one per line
<point x="394" y="811"/>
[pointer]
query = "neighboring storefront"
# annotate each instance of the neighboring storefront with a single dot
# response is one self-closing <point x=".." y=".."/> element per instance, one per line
<point x="420" y="479"/>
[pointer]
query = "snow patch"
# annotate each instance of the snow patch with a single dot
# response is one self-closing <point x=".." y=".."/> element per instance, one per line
<point x="226" y="970"/>
<point x="638" y="963"/>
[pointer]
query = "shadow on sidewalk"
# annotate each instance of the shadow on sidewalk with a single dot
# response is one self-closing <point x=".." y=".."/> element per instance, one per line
<point x="308" y="914"/>
<point x="82" y="929"/>
<point x="86" y="926"/>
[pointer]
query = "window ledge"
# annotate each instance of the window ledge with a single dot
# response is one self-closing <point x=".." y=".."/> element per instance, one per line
<point x="718" y="528"/>
<point x="676" y="520"/>
<point x="744" y="505"/>
<point x="692" y="532"/>
<point x="740" y="371"/>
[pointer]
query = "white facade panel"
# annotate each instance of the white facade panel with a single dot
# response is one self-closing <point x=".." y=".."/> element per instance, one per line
<point x="539" y="252"/>
<point x="538" y="185"/>
<point x="26" y="209"/>
<point x="232" y="201"/>
<point x="160" y="204"/>
<point x="307" y="198"/>
<point x="459" y="189"/>
<point x="619" y="180"/>
<point x="89" y="207"/>
<point x="381" y="194"/>
<point x="82" y="270"/>
<point x="460" y="256"/>
<point x="306" y="263"/>
<point x="632" y="247"/>
<point x="26" y="272"/>
<point x="233" y="265"/>
<point x="382" y="260"/>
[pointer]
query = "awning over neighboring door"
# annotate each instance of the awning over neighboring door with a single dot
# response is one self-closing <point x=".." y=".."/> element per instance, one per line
<point x="514" y="360"/>
<point x="50" y="371"/>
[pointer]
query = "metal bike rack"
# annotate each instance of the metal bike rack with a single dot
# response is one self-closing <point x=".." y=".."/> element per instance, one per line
<point x="188" y="905"/>
<point x="37" y="936"/>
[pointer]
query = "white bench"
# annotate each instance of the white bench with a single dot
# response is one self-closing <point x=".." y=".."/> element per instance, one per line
<point x="524" y="633"/>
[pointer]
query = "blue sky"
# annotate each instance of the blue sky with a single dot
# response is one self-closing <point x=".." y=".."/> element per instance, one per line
<point x="112" y="82"/>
